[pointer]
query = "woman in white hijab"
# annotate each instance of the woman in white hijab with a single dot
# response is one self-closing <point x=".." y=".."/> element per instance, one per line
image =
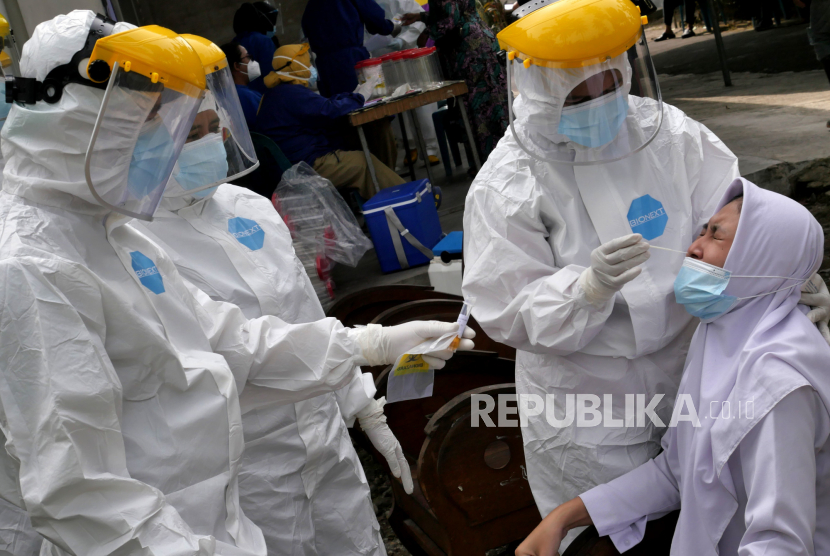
<point x="750" y="467"/>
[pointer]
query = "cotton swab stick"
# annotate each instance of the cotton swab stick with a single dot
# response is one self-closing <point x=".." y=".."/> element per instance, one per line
<point x="666" y="249"/>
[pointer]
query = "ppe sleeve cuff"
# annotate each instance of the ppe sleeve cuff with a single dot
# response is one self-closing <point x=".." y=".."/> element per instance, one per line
<point x="588" y="296"/>
<point x="356" y="396"/>
<point x="366" y="341"/>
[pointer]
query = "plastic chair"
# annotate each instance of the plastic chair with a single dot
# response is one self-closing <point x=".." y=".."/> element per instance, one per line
<point x="272" y="164"/>
<point x="441" y="120"/>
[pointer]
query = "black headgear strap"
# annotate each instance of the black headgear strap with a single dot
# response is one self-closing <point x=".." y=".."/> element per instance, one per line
<point x="29" y="90"/>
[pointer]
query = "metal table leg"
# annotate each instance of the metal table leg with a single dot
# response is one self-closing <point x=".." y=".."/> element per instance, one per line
<point x="368" y="156"/>
<point x="470" y="137"/>
<point x="421" y="144"/>
<point x="409" y="162"/>
<point x="724" y="64"/>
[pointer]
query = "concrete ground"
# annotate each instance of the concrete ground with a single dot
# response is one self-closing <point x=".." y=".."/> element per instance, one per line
<point x="766" y="119"/>
<point x="773" y="117"/>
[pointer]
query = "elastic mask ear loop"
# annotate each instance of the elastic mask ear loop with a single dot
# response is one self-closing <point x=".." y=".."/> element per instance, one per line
<point x="303" y="49"/>
<point x="289" y="74"/>
<point x="800" y="283"/>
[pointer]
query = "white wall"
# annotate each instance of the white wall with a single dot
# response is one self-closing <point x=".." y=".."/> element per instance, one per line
<point x="212" y="19"/>
<point x="209" y="18"/>
<point x="24" y="15"/>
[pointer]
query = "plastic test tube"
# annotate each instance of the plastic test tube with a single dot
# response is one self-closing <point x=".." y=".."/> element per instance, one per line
<point x="463" y="317"/>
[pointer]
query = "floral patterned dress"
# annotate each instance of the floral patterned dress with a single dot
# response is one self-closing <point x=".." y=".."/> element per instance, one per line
<point x="468" y="51"/>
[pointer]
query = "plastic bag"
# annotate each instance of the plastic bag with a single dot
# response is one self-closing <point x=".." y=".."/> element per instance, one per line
<point x="318" y="216"/>
<point x="411" y="377"/>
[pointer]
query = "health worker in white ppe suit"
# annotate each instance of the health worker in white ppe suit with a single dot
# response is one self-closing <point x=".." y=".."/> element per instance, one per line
<point x="557" y="230"/>
<point x="300" y="479"/>
<point x="378" y="45"/>
<point x="119" y="391"/>
<point x="17" y="538"/>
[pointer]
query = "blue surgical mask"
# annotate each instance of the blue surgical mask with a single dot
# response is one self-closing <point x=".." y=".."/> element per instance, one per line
<point x="202" y="162"/>
<point x="699" y="288"/>
<point x="594" y="123"/>
<point x="270" y="34"/>
<point x="152" y="154"/>
<point x="312" y="82"/>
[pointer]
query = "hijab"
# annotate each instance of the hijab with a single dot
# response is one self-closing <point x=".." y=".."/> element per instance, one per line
<point x="759" y="352"/>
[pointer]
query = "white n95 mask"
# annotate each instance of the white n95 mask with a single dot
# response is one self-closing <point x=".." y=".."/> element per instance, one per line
<point x="253" y="70"/>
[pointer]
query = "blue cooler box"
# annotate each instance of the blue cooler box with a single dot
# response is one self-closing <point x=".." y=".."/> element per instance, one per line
<point x="414" y="220"/>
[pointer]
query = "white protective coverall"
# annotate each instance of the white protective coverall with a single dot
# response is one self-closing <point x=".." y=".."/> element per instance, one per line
<point x="378" y="45"/>
<point x="300" y="479"/>
<point x="118" y="406"/>
<point x="529" y="229"/>
<point x="17" y="537"/>
<point x="753" y="477"/>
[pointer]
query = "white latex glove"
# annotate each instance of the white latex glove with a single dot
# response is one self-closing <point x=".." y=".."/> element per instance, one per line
<point x="368" y="88"/>
<point x="382" y="345"/>
<point x="814" y="294"/>
<point x="373" y="422"/>
<point x="613" y="265"/>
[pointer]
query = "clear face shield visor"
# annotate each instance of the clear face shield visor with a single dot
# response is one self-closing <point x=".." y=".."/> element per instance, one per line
<point x="589" y="114"/>
<point x="138" y="135"/>
<point x="218" y="148"/>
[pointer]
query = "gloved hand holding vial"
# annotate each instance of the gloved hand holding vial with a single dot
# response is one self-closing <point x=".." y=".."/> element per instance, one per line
<point x="413" y="374"/>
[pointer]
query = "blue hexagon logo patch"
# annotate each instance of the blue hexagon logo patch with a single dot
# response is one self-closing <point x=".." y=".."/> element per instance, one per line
<point x="247" y="232"/>
<point x="647" y="217"/>
<point x="147" y="272"/>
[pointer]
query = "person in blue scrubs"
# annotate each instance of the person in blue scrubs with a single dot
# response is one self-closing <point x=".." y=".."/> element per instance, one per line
<point x="238" y="60"/>
<point x="335" y="32"/>
<point x="306" y="126"/>
<point x="255" y="30"/>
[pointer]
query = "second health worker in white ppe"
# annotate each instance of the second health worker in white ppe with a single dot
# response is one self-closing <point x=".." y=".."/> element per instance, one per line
<point x="300" y="478"/>
<point x="119" y="401"/>
<point x="557" y="230"/>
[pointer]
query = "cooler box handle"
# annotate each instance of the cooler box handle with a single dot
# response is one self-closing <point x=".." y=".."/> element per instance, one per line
<point x="396" y="231"/>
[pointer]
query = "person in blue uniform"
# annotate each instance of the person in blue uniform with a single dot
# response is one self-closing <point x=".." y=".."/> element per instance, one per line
<point x="255" y="31"/>
<point x="335" y="32"/>
<point x="240" y="62"/>
<point x="306" y="125"/>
